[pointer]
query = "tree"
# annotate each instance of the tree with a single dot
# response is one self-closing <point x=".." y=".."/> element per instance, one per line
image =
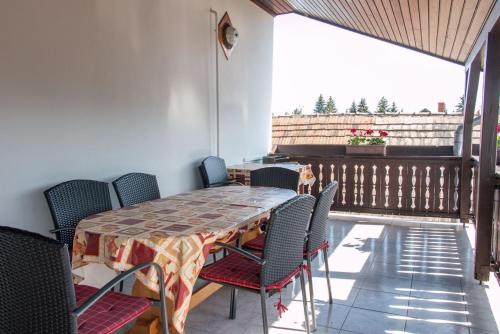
<point x="319" y="107"/>
<point x="330" y="108"/>
<point x="352" y="109"/>
<point x="393" y="108"/>
<point x="460" y="106"/>
<point x="383" y="105"/>
<point x="297" y="111"/>
<point x="362" y="106"/>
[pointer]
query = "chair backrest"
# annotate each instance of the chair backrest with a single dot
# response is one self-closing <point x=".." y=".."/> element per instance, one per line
<point x="319" y="220"/>
<point x="37" y="293"/>
<point x="136" y="188"/>
<point x="72" y="201"/>
<point x="277" y="177"/>
<point x="213" y="172"/>
<point x="286" y="232"/>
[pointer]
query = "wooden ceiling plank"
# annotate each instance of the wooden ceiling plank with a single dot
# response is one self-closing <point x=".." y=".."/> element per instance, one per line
<point x="480" y="16"/>
<point x="433" y="24"/>
<point x="339" y="11"/>
<point x="385" y="18"/>
<point x="355" y="16"/>
<point x="415" y="22"/>
<point x="344" y="9"/>
<point x="337" y="14"/>
<point x="264" y="7"/>
<point x="405" y="10"/>
<point x="444" y="18"/>
<point x="278" y="7"/>
<point x="392" y="20"/>
<point x="463" y="27"/>
<point x="371" y="16"/>
<point x="325" y="12"/>
<point x="396" y="9"/>
<point x="364" y="16"/>
<point x="423" y="6"/>
<point x="384" y="26"/>
<point x="455" y="15"/>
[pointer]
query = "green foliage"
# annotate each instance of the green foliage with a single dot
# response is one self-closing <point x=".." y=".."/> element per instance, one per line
<point x="330" y="108"/>
<point x="357" y="140"/>
<point x="319" y="107"/>
<point x="352" y="109"/>
<point x="460" y="106"/>
<point x="383" y="105"/>
<point x="297" y="111"/>
<point x="393" y="108"/>
<point x="362" y="106"/>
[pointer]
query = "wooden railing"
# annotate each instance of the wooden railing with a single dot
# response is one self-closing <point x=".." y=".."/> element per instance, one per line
<point x="391" y="185"/>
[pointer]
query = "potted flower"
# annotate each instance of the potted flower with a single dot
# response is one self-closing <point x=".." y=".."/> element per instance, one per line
<point x="367" y="142"/>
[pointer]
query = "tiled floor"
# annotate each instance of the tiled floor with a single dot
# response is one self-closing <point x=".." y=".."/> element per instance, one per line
<point x="385" y="278"/>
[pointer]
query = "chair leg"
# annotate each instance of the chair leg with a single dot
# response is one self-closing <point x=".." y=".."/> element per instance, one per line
<point x="264" y="311"/>
<point x="232" y="308"/>
<point x="311" y="292"/>
<point x="304" y="300"/>
<point x="325" y="256"/>
<point x="214" y="257"/>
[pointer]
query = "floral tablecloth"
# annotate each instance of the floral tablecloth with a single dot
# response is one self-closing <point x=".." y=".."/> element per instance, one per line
<point x="176" y="232"/>
<point x="241" y="172"/>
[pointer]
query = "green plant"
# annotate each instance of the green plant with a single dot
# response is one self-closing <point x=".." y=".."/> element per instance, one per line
<point x="360" y="137"/>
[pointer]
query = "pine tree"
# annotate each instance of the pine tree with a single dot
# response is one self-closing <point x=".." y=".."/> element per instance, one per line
<point x="352" y="109"/>
<point x="393" y="108"/>
<point x="362" y="106"/>
<point x="297" y="111"/>
<point x="460" y="106"/>
<point x="319" y="107"/>
<point x="383" y="105"/>
<point x="330" y="108"/>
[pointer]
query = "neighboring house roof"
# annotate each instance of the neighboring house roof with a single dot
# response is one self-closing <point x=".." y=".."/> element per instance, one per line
<point x="404" y="129"/>
<point x="445" y="29"/>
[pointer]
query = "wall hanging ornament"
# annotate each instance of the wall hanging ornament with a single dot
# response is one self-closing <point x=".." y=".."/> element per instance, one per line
<point x="228" y="35"/>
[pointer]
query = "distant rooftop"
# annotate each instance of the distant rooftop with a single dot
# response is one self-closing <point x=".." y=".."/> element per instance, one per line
<point x="419" y="129"/>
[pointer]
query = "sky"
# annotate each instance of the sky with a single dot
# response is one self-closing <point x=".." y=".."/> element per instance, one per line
<point x="312" y="58"/>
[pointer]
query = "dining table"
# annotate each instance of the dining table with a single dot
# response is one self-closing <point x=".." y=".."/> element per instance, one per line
<point x="242" y="173"/>
<point x="177" y="232"/>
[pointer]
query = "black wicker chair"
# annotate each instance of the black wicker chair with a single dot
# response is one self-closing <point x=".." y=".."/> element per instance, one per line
<point x="281" y="261"/>
<point x="72" y="201"/>
<point x="277" y="177"/>
<point x="316" y="238"/>
<point x="38" y="295"/>
<point x="213" y="173"/>
<point x="136" y="188"/>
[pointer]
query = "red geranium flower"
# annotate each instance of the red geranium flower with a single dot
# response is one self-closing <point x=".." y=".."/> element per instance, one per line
<point x="498" y="128"/>
<point x="369" y="131"/>
<point x="383" y="133"/>
<point x="354" y="130"/>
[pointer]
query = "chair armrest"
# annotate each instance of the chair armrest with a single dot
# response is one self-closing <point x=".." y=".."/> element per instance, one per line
<point x="56" y="230"/>
<point x="243" y="252"/>
<point x="115" y="281"/>
<point x="234" y="182"/>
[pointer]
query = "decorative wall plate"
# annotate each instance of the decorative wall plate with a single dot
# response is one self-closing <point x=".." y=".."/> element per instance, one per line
<point x="227" y="34"/>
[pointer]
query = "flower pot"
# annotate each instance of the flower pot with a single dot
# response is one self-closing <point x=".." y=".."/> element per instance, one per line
<point x="378" y="150"/>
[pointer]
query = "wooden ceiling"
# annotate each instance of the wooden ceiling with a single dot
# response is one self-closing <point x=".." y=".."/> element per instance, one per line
<point x="443" y="28"/>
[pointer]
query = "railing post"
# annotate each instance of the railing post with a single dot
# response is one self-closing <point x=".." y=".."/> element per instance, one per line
<point x="487" y="156"/>
<point x="469" y="106"/>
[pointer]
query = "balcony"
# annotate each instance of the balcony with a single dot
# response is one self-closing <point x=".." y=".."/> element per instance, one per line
<point x="405" y="277"/>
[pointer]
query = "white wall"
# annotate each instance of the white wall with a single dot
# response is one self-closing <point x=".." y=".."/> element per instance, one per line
<point x="98" y="88"/>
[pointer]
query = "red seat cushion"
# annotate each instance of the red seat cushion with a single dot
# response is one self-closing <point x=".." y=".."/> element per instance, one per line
<point x="110" y="312"/>
<point x="257" y="244"/>
<point x="235" y="269"/>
